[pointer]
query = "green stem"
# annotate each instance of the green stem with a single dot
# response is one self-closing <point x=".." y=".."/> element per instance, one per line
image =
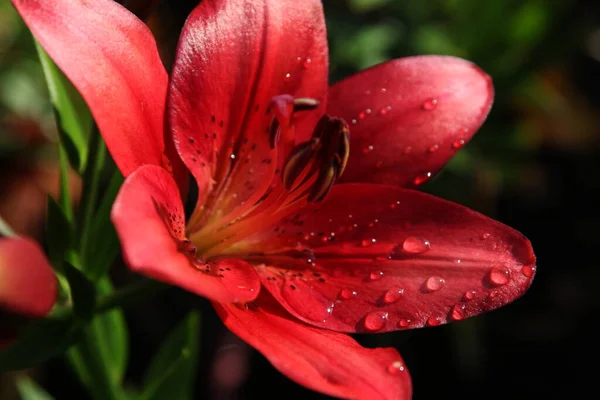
<point x="91" y="183"/>
<point x="129" y="295"/>
<point x="105" y="387"/>
<point x="64" y="198"/>
<point x="125" y="297"/>
<point x="6" y="230"/>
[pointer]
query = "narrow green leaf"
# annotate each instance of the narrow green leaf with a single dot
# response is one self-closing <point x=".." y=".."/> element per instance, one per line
<point x="73" y="118"/>
<point x="102" y="232"/>
<point x="29" y="390"/>
<point x="83" y="292"/>
<point x="109" y="333"/>
<point x="38" y="342"/>
<point x="172" y="370"/>
<point x="59" y="234"/>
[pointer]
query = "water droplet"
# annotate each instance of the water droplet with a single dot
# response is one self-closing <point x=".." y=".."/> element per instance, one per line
<point x="403" y="323"/>
<point x="385" y="110"/>
<point x="429" y="104"/>
<point x="361" y="115"/>
<point x="419" y="179"/>
<point x="368" y="149"/>
<point x="368" y="111"/>
<point x="416" y="245"/>
<point x="434" y="283"/>
<point x="310" y="303"/>
<point x="393" y="295"/>
<point x="485" y="236"/>
<point x="288" y="75"/>
<point x="376" y="275"/>
<point x="383" y="90"/>
<point x="396" y="368"/>
<point x="469" y="295"/>
<point x="395" y="204"/>
<point x="528" y="271"/>
<point x="232" y="156"/>
<point x="367" y="242"/>
<point x="458" y="144"/>
<point x="353" y="122"/>
<point x="433" y="148"/>
<point x="348" y="294"/>
<point x="499" y="275"/>
<point x="492" y="295"/>
<point x="375" y="321"/>
<point x="458" y="312"/>
<point x="307" y="63"/>
<point x="431" y="321"/>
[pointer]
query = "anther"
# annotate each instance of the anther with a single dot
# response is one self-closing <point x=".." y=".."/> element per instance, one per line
<point x="305" y="103"/>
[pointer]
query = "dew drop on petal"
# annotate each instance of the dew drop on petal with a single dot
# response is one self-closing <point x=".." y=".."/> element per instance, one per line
<point x="469" y="295"/>
<point x="458" y="312"/>
<point x="307" y="63"/>
<point x="396" y="368"/>
<point x="485" y="236"/>
<point x="434" y="283"/>
<point x="375" y="321"/>
<point x="403" y="323"/>
<point x="433" y="148"/>
<point x="492" y="295"/>
<point x="393" y="295"/>
<point x="419" y="179"/>
<point x="433" y="321"/>
<point x="416" y="245"/>
<point x="347" y="294"/>
<point x="430" y="104"/>
<point x="528" y="271"/>
<point x="499" y="275"/>
<point x="315" y="307"/>
<point x="367" y="242"/>
<point x="376" y="275"/>
<point x="457" y="144"/>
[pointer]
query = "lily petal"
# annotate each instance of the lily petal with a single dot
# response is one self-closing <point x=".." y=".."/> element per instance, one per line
<point x="321" y="360"/>
<point x="149" y="219"/>
<point x="409" y="116"/>
<point x="112" y="59"/>
<point x="233" y="58"/>
<point x="376" y="258"/>
<point x="27" y="282"/>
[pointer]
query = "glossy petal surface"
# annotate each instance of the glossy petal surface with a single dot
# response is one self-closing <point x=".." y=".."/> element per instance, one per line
<point x="112" y="59"/>
<point x="325" y="361"/>
<point x="374" y="258"/>
<point x="149" y="219"/>
<point x="233" y="58"/>
<point x="409" y="116"/>
<point x="27" y="282"/>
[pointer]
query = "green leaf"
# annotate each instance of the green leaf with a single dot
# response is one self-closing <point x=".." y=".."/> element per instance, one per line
<point x="73" y="118"/>
<point x="108" y="332"/>
<point x="102" y="233"/>
<point x="29" y="390"/>
<point x="83" y="292"/>
<point x="59" y="234"/>
<point x="172" y="370"/>
<point x="38" y="342"/>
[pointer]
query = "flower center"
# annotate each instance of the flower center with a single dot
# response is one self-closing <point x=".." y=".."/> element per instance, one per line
<point x="308" y="171"/>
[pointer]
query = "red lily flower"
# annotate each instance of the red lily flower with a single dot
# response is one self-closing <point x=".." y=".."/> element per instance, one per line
<point x="247" y="111"/>
<point x="27" y="283"/>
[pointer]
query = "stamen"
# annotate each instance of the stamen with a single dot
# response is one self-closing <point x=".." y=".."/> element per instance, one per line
<point x="305" y="103"/>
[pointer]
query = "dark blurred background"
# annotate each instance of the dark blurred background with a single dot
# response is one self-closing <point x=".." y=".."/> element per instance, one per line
<point x="534" y="165"/>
